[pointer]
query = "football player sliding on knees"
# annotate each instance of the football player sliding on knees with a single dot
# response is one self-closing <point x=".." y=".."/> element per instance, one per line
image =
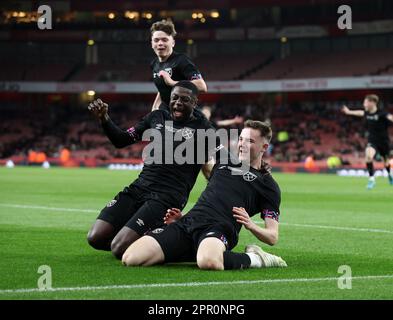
<point x="237" y="190"/>
<point x="141" y="206"/>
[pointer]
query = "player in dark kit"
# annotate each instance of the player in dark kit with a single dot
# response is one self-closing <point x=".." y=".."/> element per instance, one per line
<point x="378" y="136"/>
<point x="142" y="205"/>
<point x="210" y="230"/>
<point x="169" y="67"/>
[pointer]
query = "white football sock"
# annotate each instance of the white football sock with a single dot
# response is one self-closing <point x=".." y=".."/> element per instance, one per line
<point x="256" y="261"/>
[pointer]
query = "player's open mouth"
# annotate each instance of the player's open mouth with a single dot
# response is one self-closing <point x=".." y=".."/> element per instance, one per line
<point x="177" y="113"/>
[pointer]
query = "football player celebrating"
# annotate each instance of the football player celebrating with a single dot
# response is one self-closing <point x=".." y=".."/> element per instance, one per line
<point x="169" y="66"/>
<point x="142" y="205"/>
<point x="210" y="230"/>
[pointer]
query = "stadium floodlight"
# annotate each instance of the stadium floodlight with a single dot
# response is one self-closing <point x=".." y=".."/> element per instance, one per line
<point x="215" y="14"/>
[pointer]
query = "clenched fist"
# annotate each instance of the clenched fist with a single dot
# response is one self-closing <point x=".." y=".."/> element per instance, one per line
<point x="99" y="109"/>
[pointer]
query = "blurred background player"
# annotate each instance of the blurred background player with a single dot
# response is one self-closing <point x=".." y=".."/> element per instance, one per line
<point x="378" y="137"/>
<point x="169" y="67"/>
<point x="211" y="229"/>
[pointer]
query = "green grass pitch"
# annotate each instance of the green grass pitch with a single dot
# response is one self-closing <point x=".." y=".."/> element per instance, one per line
<point x="326" y="221"/>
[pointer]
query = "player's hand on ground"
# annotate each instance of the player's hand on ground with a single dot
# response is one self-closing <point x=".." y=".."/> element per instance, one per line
<point x="172" y="215"/>
<point x="99" y="109"/>
<point x="241" y="216"/>
<point x="344" y="109"/>
<point x="167" y="78"/>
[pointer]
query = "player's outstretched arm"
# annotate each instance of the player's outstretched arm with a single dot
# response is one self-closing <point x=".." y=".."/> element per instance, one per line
<point x="229" y="122"/>
<point x="117" y="136"/>
<point x="389" y="116"/>
<point x="356" y="113"/>
<point x="268" y="235"/>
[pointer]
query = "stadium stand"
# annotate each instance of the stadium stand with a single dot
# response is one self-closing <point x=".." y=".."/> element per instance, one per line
<point x="318" y="65"/>
<point x="314" y="130"/>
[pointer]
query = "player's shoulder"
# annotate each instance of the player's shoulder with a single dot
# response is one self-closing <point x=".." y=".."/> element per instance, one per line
<point x="201" y="120"/>
<point x="383" y="113"/>
<point x="181" y="57"/>
<point x="153" y="62"/>
<point x="269" y="181"/>
<point x="159" y="114"/>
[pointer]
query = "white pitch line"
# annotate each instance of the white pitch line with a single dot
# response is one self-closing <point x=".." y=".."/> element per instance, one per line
<point x="190" y="284"/>
<point x="18" y="206"/>
<point x="337" y="228"/>
<point x="331" y="227"/>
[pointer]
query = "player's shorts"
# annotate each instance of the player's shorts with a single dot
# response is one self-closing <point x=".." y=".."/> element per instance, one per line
<point x="180" y="240"/>
<point x="382" y="147"/>
<point x="136" y="208"/>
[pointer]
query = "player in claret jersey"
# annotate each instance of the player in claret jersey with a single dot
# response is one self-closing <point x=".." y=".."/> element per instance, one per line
<point x="208" y="232"/>
<point x="378" y="136"/>
<point x="169" y="66"/>
<point x="142" y="205"/>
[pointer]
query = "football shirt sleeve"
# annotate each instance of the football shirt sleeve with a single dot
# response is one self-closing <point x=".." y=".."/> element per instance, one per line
<point x="271" y="204"/>
<point x="188" y="69"/>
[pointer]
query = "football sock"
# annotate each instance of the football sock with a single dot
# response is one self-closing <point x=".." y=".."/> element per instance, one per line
<point x="388" y="168"/>
<point x="370" y="168"/>
<point x="234" y="260"/>
<point x="256" y="261"/>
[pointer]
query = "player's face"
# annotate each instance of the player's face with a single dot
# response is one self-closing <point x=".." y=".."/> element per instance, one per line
<point x="251" y="145"/>
<point x="182" y="103"/>
<point x="162" y="44"/>
<point x="368" y="105"/>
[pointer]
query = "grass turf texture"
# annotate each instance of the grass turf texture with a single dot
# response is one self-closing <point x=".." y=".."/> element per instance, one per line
<point x="32" y="236"/>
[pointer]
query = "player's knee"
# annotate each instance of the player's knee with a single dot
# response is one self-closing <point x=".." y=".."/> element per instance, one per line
<point x="118" y="248"/>
<point x="210" y="263"/>
<point x="130" y="259"/>
<point x="95" y="240"/>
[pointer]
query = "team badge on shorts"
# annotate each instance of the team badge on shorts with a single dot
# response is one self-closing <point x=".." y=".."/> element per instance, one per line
<point x="187" y="133"/>
<point x="158" y="230"/>
<point x="249" y="176"/>
<point x="224" y="240"/>
<point x="111" y="203"/>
